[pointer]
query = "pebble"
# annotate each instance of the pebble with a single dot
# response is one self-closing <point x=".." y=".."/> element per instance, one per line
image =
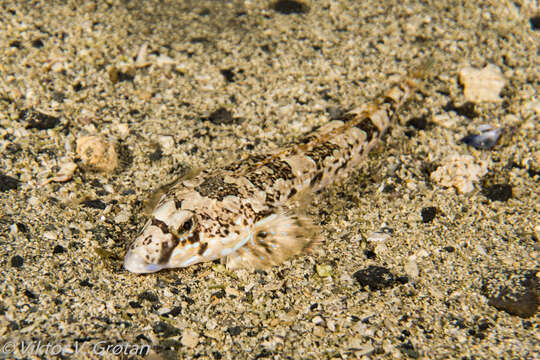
<point x="482" y="84"/>
<point x="8" y="183"/>
<point x="96" y="153"/>
<point x="460" y="172"/>
<point x="165" y="330"/>
<point x="428" y="214"/>
<point x="166" y="144"/>
<point x="513" y="291"/>
<point x="411" y="268"/>
<point x="381" y="235"/>
<point x="190" y="338"/>
<point x="50" y="235"/>
<point x="375" y="277"/>
<point x="38" y="120"/>
<point x="17" y="261"/>
<point x="59" y="249"/>
<point x="324" y="270"/>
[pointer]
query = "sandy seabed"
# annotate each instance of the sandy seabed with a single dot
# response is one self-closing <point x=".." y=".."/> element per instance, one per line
<point x="456" y="277"/>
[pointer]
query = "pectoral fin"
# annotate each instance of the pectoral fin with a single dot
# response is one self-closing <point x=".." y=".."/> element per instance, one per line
<point x="274" y="239"/>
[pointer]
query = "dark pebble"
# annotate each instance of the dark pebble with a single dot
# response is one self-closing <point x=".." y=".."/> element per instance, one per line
<point x="410" y="133"/>
<point x="370" y="254"/>
<point x="428" y="214"/>
<point x="37" y="43"/>
<point x="135" y="305"/>
<point x="219" y="294"/>
<point x="156" y="155"/>
<point x="221" y="116"/>
<point x="228" y="74"/>
<point x="59" y="249"/>
<point x="8" y="183"/>
<point x="514" y="291"/>
<point x="149" y="296"/>
<point x="235" y="330"/>
<point x="498" y="192"/>
<point x="22" y="227"/>
<point x="86" y="283"/>
<point x="128" y="192"/>
<point x="375" y="277"/>
<point x="288" y="7"/>
<point x="115" y="75"/>
<point x="189" y="300"/>
<point x="449" y="249"/>
<point x="38" y="120"/>
<point x="175" y="311"/>
<point x="419" y="123"/>
<point x="408" y="349"/>
<point x="30" y="294"/>
<point x="165" y="330"/>
<point x="17" y="261"/>
<point x="95" y="204"/>
<point x="402" y="279"/>
<point x="535" y="22"/>
<point x="466" y="109"/>
<point x="15" y="44"/>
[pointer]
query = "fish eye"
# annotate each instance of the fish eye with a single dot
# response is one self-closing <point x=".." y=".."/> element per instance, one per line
<point x="188" y="225"/>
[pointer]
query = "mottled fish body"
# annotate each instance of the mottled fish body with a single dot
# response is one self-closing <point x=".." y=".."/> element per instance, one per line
<point x="246" y="213"/>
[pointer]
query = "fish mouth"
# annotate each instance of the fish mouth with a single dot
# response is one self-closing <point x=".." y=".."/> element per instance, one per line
<point x="136" y="263"/>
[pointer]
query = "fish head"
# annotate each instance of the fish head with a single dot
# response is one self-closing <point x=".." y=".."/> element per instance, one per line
<point x="170" y="238"/>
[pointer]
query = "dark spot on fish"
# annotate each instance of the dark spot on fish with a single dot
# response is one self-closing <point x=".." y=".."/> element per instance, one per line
<point x="316" y="179"/>
<point x="161" y="225"/>
<point x="292" y="193"/>
<point x="321" y="152"/>
<point x="166" y="250"/>
<point x="216" y="188"/>
<point x="202" y="248"/>
<point x="281" y="169"/>
<point x="265" y="172"/>
<point x="342" y="166"/>
<point x="146" y="241"/>
<point x="263" y="214"/>
<point x="367" y="126"/>
<point x="265" y="246"/>
<point x="178" y="203"/>
<point x="194" y="238"/>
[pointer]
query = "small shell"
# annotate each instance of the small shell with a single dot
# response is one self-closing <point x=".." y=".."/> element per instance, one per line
<point x="65" y="173"/>
<point x="381" y="235"/>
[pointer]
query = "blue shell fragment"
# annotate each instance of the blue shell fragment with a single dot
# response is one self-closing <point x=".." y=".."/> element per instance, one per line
<point x="486" y="140"/>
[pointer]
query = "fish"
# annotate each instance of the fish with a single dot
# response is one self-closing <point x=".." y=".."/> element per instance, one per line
<point x="251" y="213"/>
